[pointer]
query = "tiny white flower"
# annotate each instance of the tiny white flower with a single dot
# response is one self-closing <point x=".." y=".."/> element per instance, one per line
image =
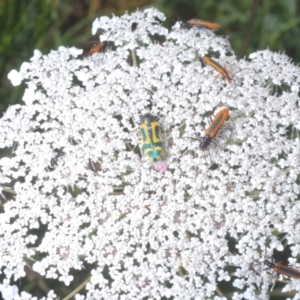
<point x="37" y="54"/>
<point x="15" y="77"/>
<point x="29" y="95"/>
<point x="8" y="292"/>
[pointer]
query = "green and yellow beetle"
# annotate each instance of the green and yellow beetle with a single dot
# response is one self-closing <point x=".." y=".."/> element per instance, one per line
<point x="152" y="141"/>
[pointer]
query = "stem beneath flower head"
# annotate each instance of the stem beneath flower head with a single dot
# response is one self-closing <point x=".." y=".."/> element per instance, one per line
<point x="219" y="292"/>
<point x="80" y="287"/>
<point x="134" y="62"/>
<point x="9" y="190"/>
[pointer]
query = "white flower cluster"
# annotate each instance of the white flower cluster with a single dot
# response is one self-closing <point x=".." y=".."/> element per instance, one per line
<point x="212" y="216"/>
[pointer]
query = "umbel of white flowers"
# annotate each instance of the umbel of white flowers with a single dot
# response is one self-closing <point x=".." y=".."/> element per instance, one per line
<point x="77" y="174"/>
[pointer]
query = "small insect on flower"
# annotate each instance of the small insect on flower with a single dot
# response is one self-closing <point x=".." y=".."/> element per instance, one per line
<point x="283" y="269"/>
<point x="134" y="26"/>
<point x="222" y="70"/>
<point x="59" y="153"/>
<point x="213" y="129"/>
<point x="151" y="133"/>
<point x="102" y="46"/>
<point x="200" y="23"/>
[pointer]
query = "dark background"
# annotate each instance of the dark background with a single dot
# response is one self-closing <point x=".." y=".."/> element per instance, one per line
<point x="47" y="24"/>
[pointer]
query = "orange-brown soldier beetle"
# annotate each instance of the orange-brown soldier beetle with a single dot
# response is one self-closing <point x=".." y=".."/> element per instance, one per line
<point x="200" y="23"/>
<point x="225" y="74"/>
<point x="102" y="46"/>
<point x="222" y="70"/>
<point x="283" y="269"/>
<point x="212" y="130"/>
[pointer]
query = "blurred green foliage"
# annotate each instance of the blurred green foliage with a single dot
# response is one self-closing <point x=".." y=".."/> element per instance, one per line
<point x="48" y="24"/>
